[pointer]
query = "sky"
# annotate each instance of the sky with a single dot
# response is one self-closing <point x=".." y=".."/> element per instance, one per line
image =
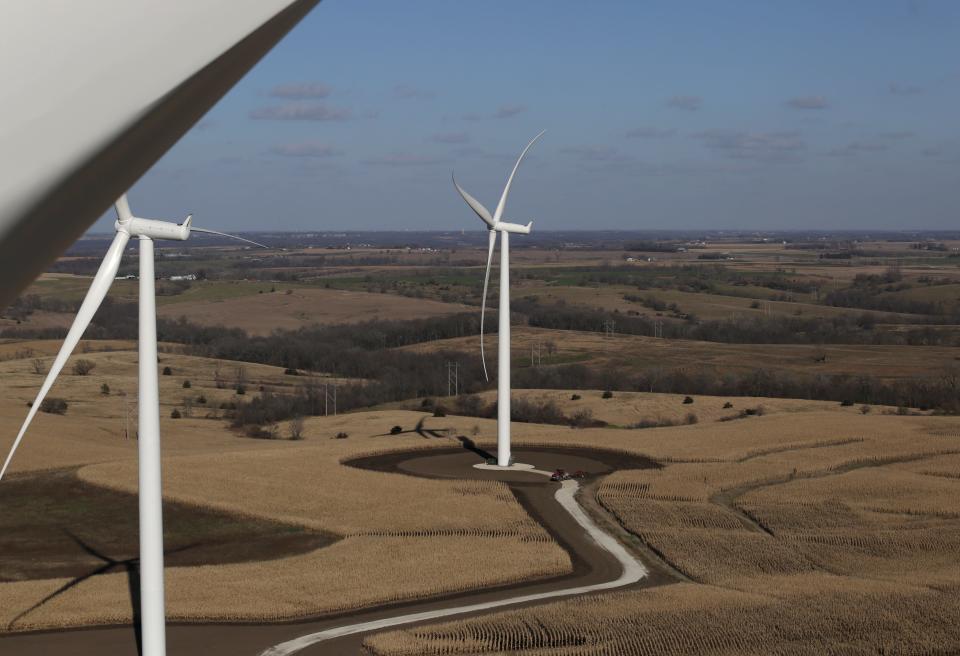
<point x="659" y="115"/>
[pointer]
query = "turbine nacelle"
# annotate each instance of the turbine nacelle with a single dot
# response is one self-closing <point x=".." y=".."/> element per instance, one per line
<point x="516" y="228"/>
<point x="155" y="229"/>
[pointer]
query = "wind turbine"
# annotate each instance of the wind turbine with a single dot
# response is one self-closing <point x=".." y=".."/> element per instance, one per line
<point x="495" y="226"/>
<point x="152" y="612"/>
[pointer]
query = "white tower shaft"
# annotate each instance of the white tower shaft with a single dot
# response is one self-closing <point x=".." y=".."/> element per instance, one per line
<point x="503" y="356"/>
<point x="152" y="616"/>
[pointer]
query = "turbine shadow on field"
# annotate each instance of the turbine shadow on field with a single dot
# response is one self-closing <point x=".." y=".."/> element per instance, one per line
<point x="130" y="565"/>
<point x="419" y="429"/>
<point x="470" y="445"/>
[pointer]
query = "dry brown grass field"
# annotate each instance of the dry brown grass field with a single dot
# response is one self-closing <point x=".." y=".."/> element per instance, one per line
<point x="881" y="361"/>
<point x="390" y="525"/>
<point x="298" y="307"/>
<point x="704" y="306"/>
<point x="805" y="533"/>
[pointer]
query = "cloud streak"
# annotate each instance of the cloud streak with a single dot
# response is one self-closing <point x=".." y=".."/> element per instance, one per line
<point x="409" y="92"/>
<point x="808" y="102"/>
<point x="687" y="103"/>
<point x="901" y="89"/>
<point x="450" y="138"/>
<point x="403" y="159"/>
<point x="301" y="91"/>
<point x="651" y="133"/>
<point x="300" y="111"/>
<point x="757" y="146"/>
<point x="306" y="149"/>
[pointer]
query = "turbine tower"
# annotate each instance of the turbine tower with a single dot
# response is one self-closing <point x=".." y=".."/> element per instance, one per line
<point x="495" y="226"/>
<point x="152" y="615"/>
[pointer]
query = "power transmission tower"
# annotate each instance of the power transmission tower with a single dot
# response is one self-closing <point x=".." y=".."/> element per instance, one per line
<point x="609" y="327"/>
<point x="535" y="357"/>
<point x="329" y="396"/>
<point x="453" y="378"/>
<point x="658" y="328"/>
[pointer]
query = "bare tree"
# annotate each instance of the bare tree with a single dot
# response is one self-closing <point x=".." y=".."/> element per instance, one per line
<point x="39" y="367"/>
<point x="218" y="376"/>
<point x="83" y="367"/>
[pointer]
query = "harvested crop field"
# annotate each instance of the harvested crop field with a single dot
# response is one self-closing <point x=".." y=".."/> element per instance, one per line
<point x="810" y="533"/>
<point x="260" y="314"/>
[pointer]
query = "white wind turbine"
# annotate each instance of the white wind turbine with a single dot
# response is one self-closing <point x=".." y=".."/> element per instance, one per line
<point x="495" y="226"/>
<point x="152" y="612"/>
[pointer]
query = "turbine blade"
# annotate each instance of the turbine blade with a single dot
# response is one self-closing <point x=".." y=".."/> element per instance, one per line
<point x="506" y="190"/>
<point x="122" y="207"/>
<point x="95" y="295"/>
<point x="483" y="304"/>
<point x="474" y="204"/>
<point x="223" y="234"/>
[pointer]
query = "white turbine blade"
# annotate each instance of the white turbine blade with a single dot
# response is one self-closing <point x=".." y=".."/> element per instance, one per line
<point x="223" y="234"/>
<point x="95" y="295"/>
<point x="483" y="303"/>
<point x="474" y="204"/>
<point x="122" y="207"/>
<point x="506" y="190"/>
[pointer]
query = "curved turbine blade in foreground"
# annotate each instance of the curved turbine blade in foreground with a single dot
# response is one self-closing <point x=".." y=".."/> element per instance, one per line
<point x="95" y="295"/>
<point x="506" y="190"/>
<point x="474" y="204"/>
<point x="483" y="303"/>
<point x="223" y="234"/>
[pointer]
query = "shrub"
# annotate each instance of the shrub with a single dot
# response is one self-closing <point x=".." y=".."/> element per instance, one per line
<point x="186" y="384"/>
<point x="291" y="372"/>
<point x="846" y="403"/>
<point x="53" y="406"/>
<point x="727" y="405"/>
<point x="607" y="394"/>
<point x="201" y="399"/>
<point x="83" y="367"/>
<point x="426" y="403"/>
<point x="583" y="418"/>
<point x="864" y="409"/>
<point x="260" y="432"/>
<point x="241" y="389"/>
<point x="396" y="430"/>
<point x="38" y="366"/>
<point x="341" y="436"/>
<point x="575" y="397"/>
<point x="690" y="419"/>
<point x="167" y="371"/>
<point x="296" y="428"/>
<point x="105" y="389"/>
<point x="439" y="411"/>
<point x="175" y="414"/>
<point x="687" y="400"/>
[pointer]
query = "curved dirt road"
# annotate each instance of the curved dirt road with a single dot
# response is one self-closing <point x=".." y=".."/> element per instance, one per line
<point x="599" y="563"/>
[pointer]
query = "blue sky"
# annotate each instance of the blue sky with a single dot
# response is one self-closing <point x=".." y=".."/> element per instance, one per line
<point x="741" y="115"/>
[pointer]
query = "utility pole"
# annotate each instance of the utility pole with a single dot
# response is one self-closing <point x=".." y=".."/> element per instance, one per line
<point x="609" y="327"/>
<point x="453" y="378"/>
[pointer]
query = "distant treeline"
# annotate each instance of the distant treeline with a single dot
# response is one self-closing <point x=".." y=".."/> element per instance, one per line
<point x="940" y="391"/>
<point x="741" y="330"/>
